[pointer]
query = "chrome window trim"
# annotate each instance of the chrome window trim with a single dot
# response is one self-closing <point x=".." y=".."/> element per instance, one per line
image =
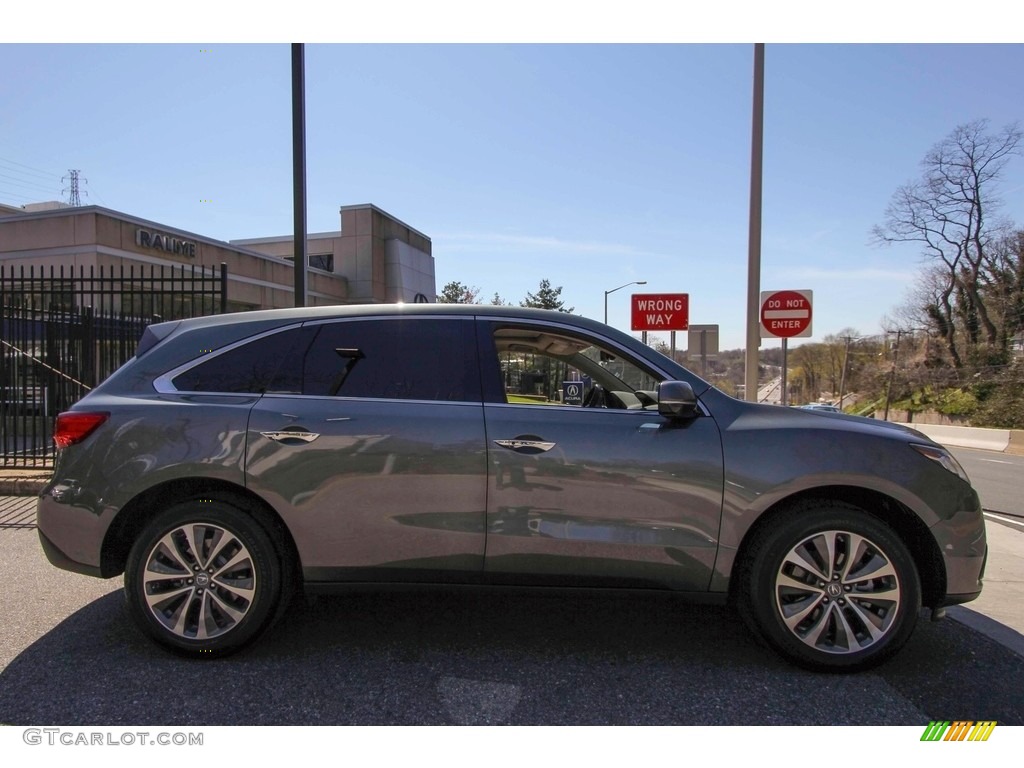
<point x="164" y="383"/>
<point x="341" y="399"/>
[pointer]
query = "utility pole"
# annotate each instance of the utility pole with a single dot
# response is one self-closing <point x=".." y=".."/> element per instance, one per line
<point x="842" y="379"/>
<point x="892" y="374"/>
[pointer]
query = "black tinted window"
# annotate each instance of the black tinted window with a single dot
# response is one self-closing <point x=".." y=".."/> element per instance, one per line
<point x="269" y="364"/>
<point x="407" y="359"/>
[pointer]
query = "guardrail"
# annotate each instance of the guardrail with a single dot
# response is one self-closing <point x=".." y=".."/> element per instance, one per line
<point x="1002" y="440"/>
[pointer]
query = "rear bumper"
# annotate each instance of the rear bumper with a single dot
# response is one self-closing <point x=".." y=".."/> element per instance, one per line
<point x="71" y="533"/>
<point x="57" y="557"/>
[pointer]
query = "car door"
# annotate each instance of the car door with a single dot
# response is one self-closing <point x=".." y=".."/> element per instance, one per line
<point x="378" y="463"/>
<point x="611" y="494"/>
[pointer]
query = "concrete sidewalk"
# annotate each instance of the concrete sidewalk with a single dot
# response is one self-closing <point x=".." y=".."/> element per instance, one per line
<point x="999" y="612"/>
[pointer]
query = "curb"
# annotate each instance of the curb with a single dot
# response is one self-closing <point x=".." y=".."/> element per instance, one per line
<point x="22" y="486"/>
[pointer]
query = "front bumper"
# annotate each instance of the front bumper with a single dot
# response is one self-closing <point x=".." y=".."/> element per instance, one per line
<point x="964" y="548"/>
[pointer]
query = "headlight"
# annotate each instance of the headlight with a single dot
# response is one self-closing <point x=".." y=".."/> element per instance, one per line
<point x="943" y="457"/>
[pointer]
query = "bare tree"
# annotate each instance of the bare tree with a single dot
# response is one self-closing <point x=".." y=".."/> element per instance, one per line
<point x="950" y="211"/>
<point x="1002" y="283"/>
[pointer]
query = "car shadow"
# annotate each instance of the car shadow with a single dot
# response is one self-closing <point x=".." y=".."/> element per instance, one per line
<point x="437" y="656"/>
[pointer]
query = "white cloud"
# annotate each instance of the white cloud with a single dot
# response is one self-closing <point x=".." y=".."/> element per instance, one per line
<point x="492" y="241"/>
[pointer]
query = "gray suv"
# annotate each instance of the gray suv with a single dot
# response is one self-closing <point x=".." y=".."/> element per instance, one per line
<point x="238" y="458"/>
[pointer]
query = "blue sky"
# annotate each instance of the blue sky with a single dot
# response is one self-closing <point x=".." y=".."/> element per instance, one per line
<point x="590" y="165"/>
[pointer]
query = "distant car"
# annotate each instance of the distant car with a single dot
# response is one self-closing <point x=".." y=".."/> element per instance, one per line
<point x="238" y="457"/>
<point x="821" y="407"/>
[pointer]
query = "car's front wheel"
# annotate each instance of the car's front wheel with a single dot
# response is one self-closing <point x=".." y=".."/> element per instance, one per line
<point x="203" y="578"/>
<point x="832" y="588"/>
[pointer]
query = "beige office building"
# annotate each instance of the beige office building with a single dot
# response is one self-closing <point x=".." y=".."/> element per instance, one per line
<point x="372" y="258"/>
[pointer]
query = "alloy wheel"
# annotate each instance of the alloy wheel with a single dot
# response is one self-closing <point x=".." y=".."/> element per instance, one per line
<point x="838" y="592"/>
<point x="199" y="581"/>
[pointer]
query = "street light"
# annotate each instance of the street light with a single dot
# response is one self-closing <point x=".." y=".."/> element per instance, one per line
<point x="613" y="290"/>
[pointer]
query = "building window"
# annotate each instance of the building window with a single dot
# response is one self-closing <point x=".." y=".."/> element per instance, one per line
<point x="323" y="261"/>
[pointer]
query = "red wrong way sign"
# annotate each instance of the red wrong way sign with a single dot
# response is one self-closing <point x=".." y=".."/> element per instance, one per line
<point x="660" y="311"/>
<point x="786" y="314"/>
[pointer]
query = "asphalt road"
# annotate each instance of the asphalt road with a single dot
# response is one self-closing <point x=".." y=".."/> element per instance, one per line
<point x="69" y="655"/>
<point x="998" y="478"/>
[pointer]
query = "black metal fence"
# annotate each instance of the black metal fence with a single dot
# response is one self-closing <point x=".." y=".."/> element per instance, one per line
<point x="65" y="330"/>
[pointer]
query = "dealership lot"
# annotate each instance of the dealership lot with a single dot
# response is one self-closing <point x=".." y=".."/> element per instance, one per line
<point x="68" y="656"/>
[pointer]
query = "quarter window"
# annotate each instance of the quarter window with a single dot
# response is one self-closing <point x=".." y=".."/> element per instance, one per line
<point x="268" y="364"/>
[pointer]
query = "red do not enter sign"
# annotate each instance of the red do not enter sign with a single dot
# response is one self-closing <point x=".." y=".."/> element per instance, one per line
<point x="786" y="314"/>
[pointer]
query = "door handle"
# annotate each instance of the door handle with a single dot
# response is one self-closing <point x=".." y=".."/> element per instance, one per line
<point x="526" y="444"/>
<point x="286" y="434"/>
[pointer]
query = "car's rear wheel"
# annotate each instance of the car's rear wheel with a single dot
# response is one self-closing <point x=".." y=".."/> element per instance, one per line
<point x="203" y="578"/>
<point x="831" y="588"/>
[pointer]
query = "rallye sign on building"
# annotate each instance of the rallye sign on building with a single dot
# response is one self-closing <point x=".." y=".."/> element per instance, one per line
<point x="146" y="239"/>
<point x="660" y="311"/>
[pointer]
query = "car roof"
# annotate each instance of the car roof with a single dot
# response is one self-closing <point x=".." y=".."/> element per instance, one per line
<point x="376" y="310"/>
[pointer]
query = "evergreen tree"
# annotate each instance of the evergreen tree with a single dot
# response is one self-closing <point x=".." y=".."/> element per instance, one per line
<point x="546" y="297"/>
<point x="458" y="293"/>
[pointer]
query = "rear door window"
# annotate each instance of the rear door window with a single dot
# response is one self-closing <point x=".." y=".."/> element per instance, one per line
<point x="395" y="358"/>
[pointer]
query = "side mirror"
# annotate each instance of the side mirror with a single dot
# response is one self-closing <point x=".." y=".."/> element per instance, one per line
<point x="676" y="400"/>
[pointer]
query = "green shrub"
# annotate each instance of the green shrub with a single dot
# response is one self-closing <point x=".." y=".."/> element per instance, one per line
<point x="956" y="402"/>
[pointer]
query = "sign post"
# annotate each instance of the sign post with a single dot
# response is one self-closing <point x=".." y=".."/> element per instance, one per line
<point x="702" y="343"/>
<point x="786" y="315"/>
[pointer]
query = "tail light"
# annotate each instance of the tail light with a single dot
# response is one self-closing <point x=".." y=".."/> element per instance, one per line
<point x="73" y="427"/>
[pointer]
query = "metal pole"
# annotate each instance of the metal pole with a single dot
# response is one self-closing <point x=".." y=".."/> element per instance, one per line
<point x="754" y="236"/>
<point x="223" y="287"/>
<point x="613" y="290"/>
<point x="785" y="370"/>
<point x="672" y="346"/>
<point x="299" y="168"/>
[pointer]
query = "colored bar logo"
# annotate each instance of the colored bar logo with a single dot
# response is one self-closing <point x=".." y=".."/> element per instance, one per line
<point x="958" y="730"/>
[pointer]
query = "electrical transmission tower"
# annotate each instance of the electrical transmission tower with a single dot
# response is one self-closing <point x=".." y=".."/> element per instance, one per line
<point x="73" y="197"/>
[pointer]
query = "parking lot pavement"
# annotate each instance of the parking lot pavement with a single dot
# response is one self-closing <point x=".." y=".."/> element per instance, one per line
<point x="998" y="613"/>
<point x="17" y="512"/>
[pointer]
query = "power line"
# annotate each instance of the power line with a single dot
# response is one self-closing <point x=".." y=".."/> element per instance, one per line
<point x="21" y="183"/>
<point x="15" y="196"/>
<point x="36" y="171"/>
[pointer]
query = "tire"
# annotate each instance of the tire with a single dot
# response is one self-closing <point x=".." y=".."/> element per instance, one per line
<point x="204" y="578"/>
<point x="831" y="588"/>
